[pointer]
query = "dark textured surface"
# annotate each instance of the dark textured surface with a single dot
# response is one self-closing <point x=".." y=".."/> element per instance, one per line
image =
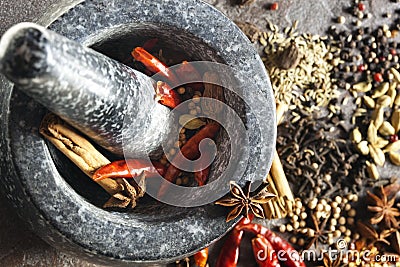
<point x="154" y="232"/>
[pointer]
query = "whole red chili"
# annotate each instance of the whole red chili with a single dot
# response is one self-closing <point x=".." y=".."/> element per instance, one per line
<point x="393" y="138"/>
<point x="229" y="254"/>
<point x="166" y="96"/>
<point x="201" y="176"/>
<point x="264" y="252"/>
<point x="378" y="77"/>
<point x="290" y="257"/>
<point x="189" y="151"/>
<point x="153" y="64"/>
<point x="200" y="258"/>
<point x="129" y="169"/>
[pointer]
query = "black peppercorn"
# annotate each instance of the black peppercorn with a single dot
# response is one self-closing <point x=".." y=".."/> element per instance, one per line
<point x="372" y="66"/>
<point x="368" y="41"/>
<point x="341" y="84"/>
<point x="334" y="75"/>
<point x="386" y="65"/>
<point x="344" y="55"/>
<point x="365" y="50"/>
<point x="350" y="79"/>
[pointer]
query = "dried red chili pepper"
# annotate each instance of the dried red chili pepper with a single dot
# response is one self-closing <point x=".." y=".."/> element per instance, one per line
<point x="200" y="258"/>
<point x="187" y="73"/>
<point x="189" y="151"/>
<point x="264" y="252"/>
<point x="229" y="254"/>
<point x="154" y="64"/>
<point x="291" y="258"/>
<point x="166" y="96"/>
<point x="201" y="176"/>
<point x="123" y="169"/>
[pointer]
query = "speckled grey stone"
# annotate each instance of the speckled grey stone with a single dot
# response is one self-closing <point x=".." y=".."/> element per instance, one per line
<point x="46" y="188"/>
<point x="90" y="91"/>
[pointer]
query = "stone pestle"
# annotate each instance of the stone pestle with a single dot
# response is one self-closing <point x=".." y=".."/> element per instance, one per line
<point x="95" y="94"/>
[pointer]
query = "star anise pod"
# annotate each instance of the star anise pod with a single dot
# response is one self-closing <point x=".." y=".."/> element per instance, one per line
<point x="239" y="201"/>
<point x="382" y="207"/>
<point x="318" y="234"/>
<point x="369" y="232"/>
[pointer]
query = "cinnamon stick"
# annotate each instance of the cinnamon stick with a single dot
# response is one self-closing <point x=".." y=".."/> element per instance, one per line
<point x="84" y="155"/>
<point x="279" y="177"/>
<point x="280" y="206"/>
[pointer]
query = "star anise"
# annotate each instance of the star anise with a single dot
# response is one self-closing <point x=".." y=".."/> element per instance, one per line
<point x="128" y="197"/>
<point x="382" y="207"/>
<point x="239" y="200"/>
<point x="369" y="232"/>
<point x="318" y="234"/>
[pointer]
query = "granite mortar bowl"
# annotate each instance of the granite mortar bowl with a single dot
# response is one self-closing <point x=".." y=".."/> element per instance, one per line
<point x="57" y="200"/>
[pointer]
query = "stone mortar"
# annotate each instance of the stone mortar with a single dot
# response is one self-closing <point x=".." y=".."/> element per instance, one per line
<point x="46" y="189"/>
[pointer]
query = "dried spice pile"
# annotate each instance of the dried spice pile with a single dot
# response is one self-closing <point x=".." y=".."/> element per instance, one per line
<point x="322" y="158"/>
<point x="313" y="140"/>
<point x="323" y="221"/>
<point x="379" y="230"/>
<point x="368" y="70"/>
<point x="317" y="157"/>
<point x="299" y="67"/>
